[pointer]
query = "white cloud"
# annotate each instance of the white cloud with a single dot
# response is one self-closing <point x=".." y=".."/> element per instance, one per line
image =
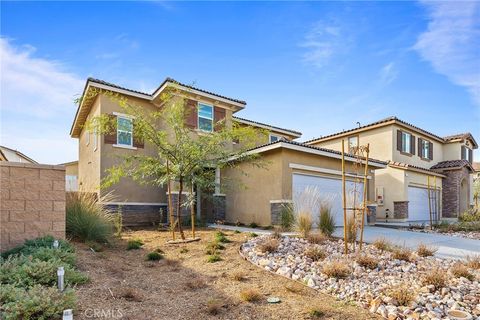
<point x="37" y="106"/>
<point x="322" y="43"/>
<point x="388" y="73"/>
<point x="451" y="43"/>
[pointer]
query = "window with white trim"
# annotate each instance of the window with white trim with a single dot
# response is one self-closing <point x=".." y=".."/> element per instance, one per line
<point x="274" y="138"/>
<point x="406" y="142"/>
<point x="425" y="149"/>
<point x="205" y="117"/>
<point x="124" y="131"/>
<point x="87" y="137"/>
<point x="352" y="143"/>
<point x="95" y="139"/>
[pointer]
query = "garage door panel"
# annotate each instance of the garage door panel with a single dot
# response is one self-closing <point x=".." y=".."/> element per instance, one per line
<point x="418" y="209"/>
<point x="327" y="189"/>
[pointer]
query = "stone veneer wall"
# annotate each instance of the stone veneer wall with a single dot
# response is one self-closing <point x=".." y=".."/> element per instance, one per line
<point x="451" y="191"/>
<point x="219" y="207"/>
<point x="276" y="207"/>
<point x="400" y="209"/>
<point x="32" y="202"/>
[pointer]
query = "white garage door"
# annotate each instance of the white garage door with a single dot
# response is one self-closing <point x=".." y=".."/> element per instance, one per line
<point x="418" y="204"/>
<point x="327" y="189"/>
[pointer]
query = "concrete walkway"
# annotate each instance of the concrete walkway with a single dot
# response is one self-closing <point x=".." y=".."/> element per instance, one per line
<point x="448" y="246"/>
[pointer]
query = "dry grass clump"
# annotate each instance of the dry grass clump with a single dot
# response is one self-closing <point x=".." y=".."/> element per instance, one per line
<point x="315" y="253"/>
<point x="294" y="288"/>
<point x="213" y="306"/>
<point x="459" y="270"/>
<point x="131" y="294"/>
<point x="426" y="251"/>
<point x="382" y="244"/>
<point x="174" y="265"/>
<point x="402" y="253"/>
<point x="402" y="294"/>
<point x="473" y="262"/>
<point x="276" y="233"/>
<point x="268" y="245"/>
<point x="367" y="261"/>
<point x="196" y="283"/>
<point x="352" y="229"/>
<point x="239" y="276"/>
<point x="304" y="224"/>
<point x="250" y="295"/>
<point x="317" y="238"/>
<point x="337" y="269"/>
<point x="436" y="278"/>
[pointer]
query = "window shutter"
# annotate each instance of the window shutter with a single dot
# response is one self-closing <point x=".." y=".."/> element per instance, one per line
<point x="218" y="115"/>
<point x="191" y="113"/>
<point x="470" y="155"/>
<point x="464" y="153"/>
<point x="137" y="141"/>
<point x="412" y="144"/>
<point x="111" y="137"/>
<point x="430" y="151"/>
<point x="420" y="147"/>
<point x="399" y="140"/>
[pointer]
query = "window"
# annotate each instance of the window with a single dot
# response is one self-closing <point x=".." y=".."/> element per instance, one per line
<point x="205" y="117"/>
<point x="95" y="139"/>
<point x="352" y="143"/>
<point x="124" y="131"/>
<point x="406" y="142"/>
<point x="425" y="149"/>
<point x="274" y="138"/>
<point x="467" y="154"/>
<point x="87" y="137"/>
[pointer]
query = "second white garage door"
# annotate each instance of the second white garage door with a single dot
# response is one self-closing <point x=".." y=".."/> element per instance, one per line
<point x="418" y="204"/>
<point x="327" y="188"/>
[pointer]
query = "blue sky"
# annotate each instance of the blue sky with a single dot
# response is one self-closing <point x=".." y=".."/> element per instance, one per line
<point x="317" y="67"/>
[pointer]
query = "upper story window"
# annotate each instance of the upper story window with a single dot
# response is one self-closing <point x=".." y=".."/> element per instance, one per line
<point x="425" y="149"/>
<point x="467" y="154"/>
<point x="406" y="142"/>
<point x="124" y="131"/>
<point x="352" y="143"/>
<point x="274" y="138"/>
<point x="205" y="117"/>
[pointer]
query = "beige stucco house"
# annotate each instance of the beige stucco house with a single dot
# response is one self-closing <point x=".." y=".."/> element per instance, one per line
<point x="292" y="166"/>
<point x="418" y="160"/>
<point x="12" y="155"/>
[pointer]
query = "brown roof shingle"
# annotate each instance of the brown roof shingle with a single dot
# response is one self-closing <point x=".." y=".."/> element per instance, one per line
<point x="450" y="164"/>
<point x="296" y="133"/>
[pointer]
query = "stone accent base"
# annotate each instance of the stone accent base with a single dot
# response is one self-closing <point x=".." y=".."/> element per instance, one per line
<point x="451" y="192"/>
<point x="276" y="207"/>
<point x="400" y="209"/>
<point x="141" y="215"/>
<point x="219" y="207"/>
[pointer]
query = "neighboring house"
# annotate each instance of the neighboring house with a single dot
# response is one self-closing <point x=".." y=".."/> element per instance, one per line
<point x="11" y="155"/>
<point x="416" y="159"/>
<point x="71" y="175"/>
<point x="475" y="179"/>
<point x="292" y="168"/>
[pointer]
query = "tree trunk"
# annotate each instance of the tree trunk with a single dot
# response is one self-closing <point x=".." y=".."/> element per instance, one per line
<point x="179" y="208"/>
<point x="192" y="213"/>
<point x="170" y="205"/>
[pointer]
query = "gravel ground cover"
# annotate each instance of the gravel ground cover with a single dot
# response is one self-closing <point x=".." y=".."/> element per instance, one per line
<point x="420" y="288"/>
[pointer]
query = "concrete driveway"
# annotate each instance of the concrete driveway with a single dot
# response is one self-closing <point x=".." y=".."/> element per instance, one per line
<point x="448" y="246"/>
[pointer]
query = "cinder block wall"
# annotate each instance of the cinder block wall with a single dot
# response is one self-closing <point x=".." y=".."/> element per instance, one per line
<point x="32" y="202"/>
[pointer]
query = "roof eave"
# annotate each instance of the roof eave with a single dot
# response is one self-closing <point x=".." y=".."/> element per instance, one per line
<point x="294" y="134"/>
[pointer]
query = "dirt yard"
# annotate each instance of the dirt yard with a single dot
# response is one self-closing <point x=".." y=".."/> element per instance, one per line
<point x="184" y="286"/>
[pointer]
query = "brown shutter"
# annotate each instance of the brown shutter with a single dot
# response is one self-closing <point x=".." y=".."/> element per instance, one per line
<point x="470" y="155"/>
<point x="399" y="140"/>
<point x="219" y="115"/>
<point x="430" y="151"/>
<point x="464" y="153"/>
<point x="412" y="144"/>
<point x="191" y="113"/>
<point x="137" y="141"/>
<point x="420" y="147"/>
<point x="111" y="137"/>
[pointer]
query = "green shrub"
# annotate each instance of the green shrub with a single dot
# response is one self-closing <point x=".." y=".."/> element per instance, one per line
<point x="33" y="245"/>
<point x="253" y="225"/>
<point x="213" y="247"/>
<point x="134" y="244"/>
<point x="38" y="302"/>
<point x="326" y="221"/>
<point x="237" y="231"/>
<point x="252" y="235"/>
<point x="118" y="222"/>
<point x="220" y="237"/>
<point x="154" y="256"/>
<point x="24" y="271"/>
<point x="470" y="216"/>
<point x="87" y="219"/>
<point x="48" y="254"/>
<point x="287" y="217"/>
<point x="213" y="258"/>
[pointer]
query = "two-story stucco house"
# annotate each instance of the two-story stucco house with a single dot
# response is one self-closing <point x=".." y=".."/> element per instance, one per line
<point x="417" y="160"/>
<point x="291" y="165"/>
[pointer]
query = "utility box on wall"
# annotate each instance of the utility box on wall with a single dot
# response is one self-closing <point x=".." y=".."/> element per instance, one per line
<point x="379" y="196"/>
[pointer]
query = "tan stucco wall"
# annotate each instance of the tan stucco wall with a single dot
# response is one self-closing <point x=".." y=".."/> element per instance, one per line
<point x="392" y="181"/>
<point x="71" y="169"/>
<point x="89" y="159"/>
<point x="252" y="202"/>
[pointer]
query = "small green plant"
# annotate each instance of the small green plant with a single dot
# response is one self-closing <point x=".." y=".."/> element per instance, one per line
<point x="220" y="237"/>
<point x="118" y="222"/>
<point x="134" y="244"/>
<point x="183" y="250"/>
<point x="213" y="258"/>
<point x="33" y="245"/>
<point x="213" y="247"/>
<point x="154" y="256"/>
<point x="316" y="313"/>
<point x="237" y="231"/>
<point x="250" y="295"/>
<point x="304" y="224"/>
<point x="425" y="251"/>
<point x="326" y="221"/>
<point x="252" y="235"/>
<point x="287" y="217"/>
<point x="315" y="253"/>
<point x="253" y="225"/>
